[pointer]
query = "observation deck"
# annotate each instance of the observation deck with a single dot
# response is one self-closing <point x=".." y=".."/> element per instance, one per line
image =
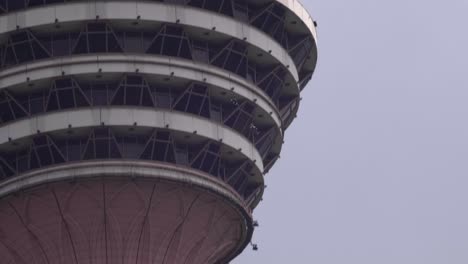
<point x="140" y="131"/>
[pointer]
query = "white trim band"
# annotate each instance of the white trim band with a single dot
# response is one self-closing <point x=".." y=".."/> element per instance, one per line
<point x="145" y="64"/>
<point x="148" y="11"/>
<point x="125" y="116"/>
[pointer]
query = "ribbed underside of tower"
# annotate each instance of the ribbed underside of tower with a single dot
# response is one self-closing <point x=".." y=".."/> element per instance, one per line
<point x="140" y="131"/>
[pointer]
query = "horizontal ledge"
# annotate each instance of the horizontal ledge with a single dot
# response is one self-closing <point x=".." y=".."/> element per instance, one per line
<point x="125" y="116"/>
<point x="143" y="64"/>
<point x="149" y="11"/>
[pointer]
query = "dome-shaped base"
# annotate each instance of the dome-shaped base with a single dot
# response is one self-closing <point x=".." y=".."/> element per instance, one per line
<point x="118" y="220"/>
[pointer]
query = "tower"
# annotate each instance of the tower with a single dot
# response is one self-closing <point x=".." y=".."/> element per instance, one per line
<point x="140" y="131"/>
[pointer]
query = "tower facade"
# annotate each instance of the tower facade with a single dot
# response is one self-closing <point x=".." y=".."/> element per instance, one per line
<point x="140" y="131"/>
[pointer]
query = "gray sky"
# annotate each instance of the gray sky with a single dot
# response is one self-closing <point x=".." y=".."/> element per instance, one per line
<point x="375" y="167"/>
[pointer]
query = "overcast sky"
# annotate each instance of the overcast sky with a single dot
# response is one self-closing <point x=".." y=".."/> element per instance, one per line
<point x="375" y="167"/>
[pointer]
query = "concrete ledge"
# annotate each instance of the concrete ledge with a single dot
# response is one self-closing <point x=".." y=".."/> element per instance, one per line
<point x="125" y="116"/>
<point x="144" y="64"/>
<point x="148" y="11"/>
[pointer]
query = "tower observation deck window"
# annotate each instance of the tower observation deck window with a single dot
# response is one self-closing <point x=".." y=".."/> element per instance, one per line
<point x="44" y="152"/>
<point x="301" y="50"/>
<point x="159" y="147"/>
<point x="272" y="81"/>
<point x="240" y="118"/>
<point x="171" y="41"/>
<point x="23" y="47"/>
<point x="97" y="37"/>
<point x="101" y="144"/>
<point x="271" y="21"/>
<point x="10" y="108"/>
<point x="208" y="159"/>
<point x="133" y="90"/>
<point x="195" y="99"/>
<point x="66" y="93"/>
<point x="233" y="57"/>
<point x="200" y="51"/>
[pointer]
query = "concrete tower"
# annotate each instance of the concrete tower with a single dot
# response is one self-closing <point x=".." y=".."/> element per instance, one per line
<point x="139" y="131"/>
